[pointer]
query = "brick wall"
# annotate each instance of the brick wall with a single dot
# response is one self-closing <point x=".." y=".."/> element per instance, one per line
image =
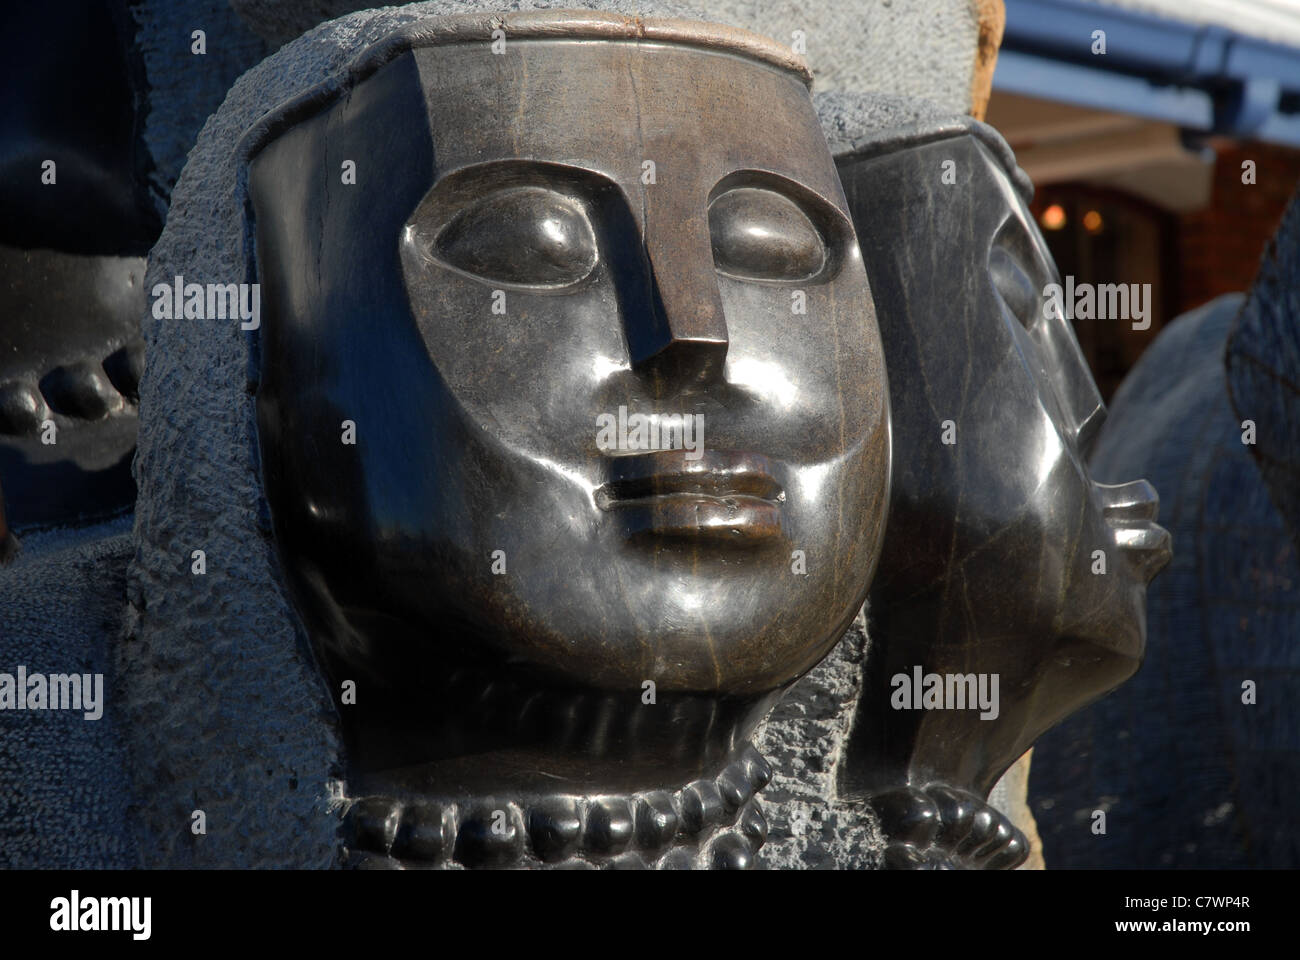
<point x="1218" y="248"/>
<point x="1189" y="259"/>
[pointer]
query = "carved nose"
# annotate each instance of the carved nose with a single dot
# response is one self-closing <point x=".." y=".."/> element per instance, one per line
<point x="686" y="350"/>
<point x="684" y="336"/>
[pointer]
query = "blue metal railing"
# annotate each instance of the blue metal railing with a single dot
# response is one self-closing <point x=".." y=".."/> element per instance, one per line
<point x="1203" y="78"/>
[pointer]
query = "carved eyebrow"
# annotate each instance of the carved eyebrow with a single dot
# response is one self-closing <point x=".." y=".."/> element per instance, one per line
<point x="459" y="189"/>
<point x="806" y="199"/>
<point x="465" y="183"/>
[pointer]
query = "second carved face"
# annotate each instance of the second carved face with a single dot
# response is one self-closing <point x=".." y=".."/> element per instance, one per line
<point x="1004" y="559"/>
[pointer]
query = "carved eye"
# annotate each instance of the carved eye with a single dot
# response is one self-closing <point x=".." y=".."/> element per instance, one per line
<point x="1016" y="289"/>
<point x="524" y="235"/>
<point x="762" y="235"/>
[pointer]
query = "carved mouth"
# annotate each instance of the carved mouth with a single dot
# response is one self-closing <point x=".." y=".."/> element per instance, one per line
<point x="721" y="496"/>
<point x="1147" y="546"/>
<point x="1131" y="510"/>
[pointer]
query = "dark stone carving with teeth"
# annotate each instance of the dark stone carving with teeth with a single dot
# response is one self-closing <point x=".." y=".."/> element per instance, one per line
<point x="72" y="243"/>
<point x="70" y="355"/>
<point x="501" y="714"/>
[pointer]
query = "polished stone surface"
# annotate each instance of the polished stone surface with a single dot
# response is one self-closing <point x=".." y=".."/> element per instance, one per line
<point x="76" y="218"/>
<point x="498" y="580"/>
<point x="83" y="113"/>
<point x="220" y="694"/>
<point x="116" y="121"/>
<point x="990" y="568"/>
<point x="70" y="364"/>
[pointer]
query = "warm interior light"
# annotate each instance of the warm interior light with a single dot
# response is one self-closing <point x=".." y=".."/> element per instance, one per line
<point x="1054" y="217"/>
<point x="1092" y="222"/>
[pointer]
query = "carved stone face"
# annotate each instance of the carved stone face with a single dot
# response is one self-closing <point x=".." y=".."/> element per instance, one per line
<point x="541" y="246"/>
<point x="991" y="561"/>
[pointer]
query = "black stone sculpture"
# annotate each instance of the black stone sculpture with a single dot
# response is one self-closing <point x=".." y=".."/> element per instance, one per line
<point x="1003" y="560"/>
<point x="75" y="223"/>
<point x="506" y="263"/>
<point x="91" y="145"/>
<point x="546" y="649"/>
<point x="103" y="101"/>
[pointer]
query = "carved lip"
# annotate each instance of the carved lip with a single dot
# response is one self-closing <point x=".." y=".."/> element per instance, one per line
<point x="1148" y="547"/>
<point x="725" y="496"/>
<point x="1131" y="510"/>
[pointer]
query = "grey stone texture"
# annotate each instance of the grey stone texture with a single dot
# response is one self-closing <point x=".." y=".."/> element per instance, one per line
<point x="1223" y="614"/>
<point x="63" y="778"/>
<point x="918" y="48"/>
<point x="809" y="826"/>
